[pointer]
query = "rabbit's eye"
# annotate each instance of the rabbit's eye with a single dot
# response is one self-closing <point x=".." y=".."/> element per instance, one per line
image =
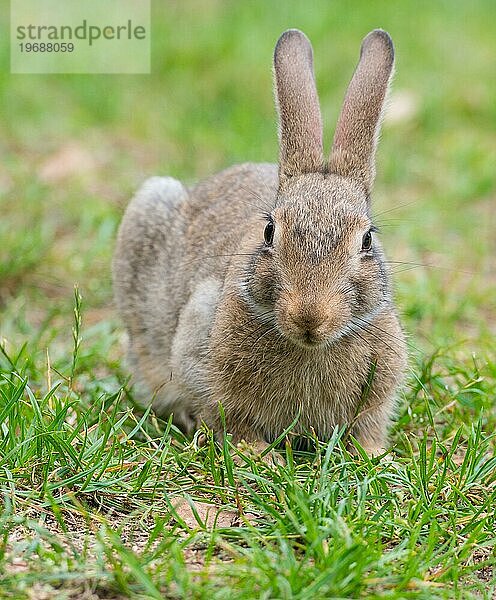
<point x="269" y="233"/>
<point x="367" y="242"/>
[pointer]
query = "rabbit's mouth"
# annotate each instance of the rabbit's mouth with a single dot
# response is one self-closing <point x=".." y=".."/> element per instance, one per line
<point x="313" y="337"/>
<point x="309" y="339"/>
<point x="312" y="341"/>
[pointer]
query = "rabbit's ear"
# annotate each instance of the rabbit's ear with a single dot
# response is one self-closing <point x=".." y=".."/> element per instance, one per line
<point x="300" y="123"/>
<point x="355" y="140"/>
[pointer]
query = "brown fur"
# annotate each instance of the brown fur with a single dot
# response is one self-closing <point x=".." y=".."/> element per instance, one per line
<point x="278" y="332"/>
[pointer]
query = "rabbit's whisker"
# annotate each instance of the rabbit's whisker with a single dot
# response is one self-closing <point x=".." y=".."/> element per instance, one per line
<point x="365" y="324"/>
<point x="394" y="208"/>
<point x="428" y="266"/>
<point x="200" y="258"/>
<point x="362" y="326"/>
<point x="265" y="206"/>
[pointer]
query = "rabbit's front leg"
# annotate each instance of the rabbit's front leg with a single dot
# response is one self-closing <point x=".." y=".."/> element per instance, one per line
<point x="373" y="417"/>
<point x="246" y="441"/>
<point x="370" y="428"/>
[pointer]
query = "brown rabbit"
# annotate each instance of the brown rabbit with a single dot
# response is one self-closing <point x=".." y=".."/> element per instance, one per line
<point x="281" y="317"/>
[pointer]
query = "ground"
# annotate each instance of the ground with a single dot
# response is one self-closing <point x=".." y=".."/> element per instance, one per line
<point x="99" y="500"/>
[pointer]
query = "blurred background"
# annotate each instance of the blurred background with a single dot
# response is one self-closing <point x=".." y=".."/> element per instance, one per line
<point x="73" y="148"/>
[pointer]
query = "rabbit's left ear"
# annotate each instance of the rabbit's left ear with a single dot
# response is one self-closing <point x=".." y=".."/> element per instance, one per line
<point x="357" y="131"/>
<point x="300" y="122"/>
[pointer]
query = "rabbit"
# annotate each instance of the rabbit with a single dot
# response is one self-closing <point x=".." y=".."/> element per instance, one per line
<point x="260" y="298"/>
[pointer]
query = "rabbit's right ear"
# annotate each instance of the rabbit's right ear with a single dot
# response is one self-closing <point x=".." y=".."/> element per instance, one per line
<point x="355" y="140"/>
<point x="300" y="122"/>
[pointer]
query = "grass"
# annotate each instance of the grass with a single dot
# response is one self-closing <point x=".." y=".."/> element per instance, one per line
<point x="101" y="501"/>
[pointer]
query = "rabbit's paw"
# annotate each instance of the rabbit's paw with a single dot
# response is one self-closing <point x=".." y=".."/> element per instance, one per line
<point x="255" y="451"/>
